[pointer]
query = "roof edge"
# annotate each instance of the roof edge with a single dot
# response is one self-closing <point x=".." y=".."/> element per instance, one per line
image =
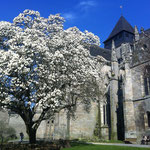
<point x="115" y="35"/>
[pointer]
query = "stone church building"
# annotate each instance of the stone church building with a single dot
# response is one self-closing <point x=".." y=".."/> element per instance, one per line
<point x="125" y="114"/>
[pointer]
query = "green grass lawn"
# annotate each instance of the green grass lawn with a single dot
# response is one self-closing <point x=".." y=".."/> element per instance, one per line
<point x="79" y="146"/>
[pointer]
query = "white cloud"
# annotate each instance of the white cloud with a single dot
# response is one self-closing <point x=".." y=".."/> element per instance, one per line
<point x="80" y="10"/>
<point x="69" y="16"/>
<point x="85" y="5"/>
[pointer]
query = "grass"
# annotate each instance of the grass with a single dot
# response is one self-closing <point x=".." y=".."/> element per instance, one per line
<point x="82" y="146"/>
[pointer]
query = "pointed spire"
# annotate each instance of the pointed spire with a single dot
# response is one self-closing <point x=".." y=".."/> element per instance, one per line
<point x="113" y="54"/>
<point x="122" y="25"/>
<point x="136" y="33"/>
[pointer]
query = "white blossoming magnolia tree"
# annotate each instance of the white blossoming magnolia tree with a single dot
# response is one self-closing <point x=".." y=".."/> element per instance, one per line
<point x="42" y="65"/>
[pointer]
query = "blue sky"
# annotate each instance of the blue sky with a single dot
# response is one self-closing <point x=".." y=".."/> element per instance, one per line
<point x="97" y="16"/>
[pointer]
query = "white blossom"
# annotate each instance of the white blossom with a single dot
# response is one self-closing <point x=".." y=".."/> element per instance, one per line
<point x="42" y="63"/>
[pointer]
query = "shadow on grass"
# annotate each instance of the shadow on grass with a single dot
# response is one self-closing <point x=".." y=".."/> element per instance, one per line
<point x="73" y="144"/>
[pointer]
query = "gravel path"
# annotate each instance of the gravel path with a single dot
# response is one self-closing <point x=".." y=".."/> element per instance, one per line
<point x="117" y="144"/>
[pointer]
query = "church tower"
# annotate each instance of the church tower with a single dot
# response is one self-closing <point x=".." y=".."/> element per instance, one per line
<point x="123" y="32"/>
<point x="120" y="39"/>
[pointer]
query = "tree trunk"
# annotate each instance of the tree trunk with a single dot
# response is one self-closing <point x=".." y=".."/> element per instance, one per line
<point x="68" y="125"/>
<point x="1" y="146"/>
<point x="32" y="134"/>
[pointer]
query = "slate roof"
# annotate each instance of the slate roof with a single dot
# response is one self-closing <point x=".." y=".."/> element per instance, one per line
<point x="96" y="50"/>
<point x="147" y="31"/>
<point x="122" y="25"/>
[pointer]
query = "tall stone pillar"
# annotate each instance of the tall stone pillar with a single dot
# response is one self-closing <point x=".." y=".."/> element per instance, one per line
<point x="136" y="33"/>
<point x="114" y="93"/>
<point x="142" y="86"/>
<point x="128" y="106"/>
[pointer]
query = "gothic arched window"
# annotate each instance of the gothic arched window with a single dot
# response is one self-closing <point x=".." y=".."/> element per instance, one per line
<point x="147" y="80"/>
<point x="148" y="117"/>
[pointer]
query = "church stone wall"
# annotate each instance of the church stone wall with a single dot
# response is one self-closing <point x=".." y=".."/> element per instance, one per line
<point x="82" y="126"/>
<point x="138" y="81"/>
<point x="137" y="85"/>
<point x="141" y="108"/>
<point x="4" y="116"/>
<point x="129" y="120"/>
<point x="41" y="131"/>
<point x="140" y="101"/>
<point x="85" y="124"/>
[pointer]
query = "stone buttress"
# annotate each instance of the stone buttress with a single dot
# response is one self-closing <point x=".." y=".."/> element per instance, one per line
<point x="113" y="93"/>
<point x="128" y="106"/>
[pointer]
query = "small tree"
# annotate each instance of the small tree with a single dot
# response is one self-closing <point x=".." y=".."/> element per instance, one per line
<point x="6" y="131"/>
<point x="39" y="63"/>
